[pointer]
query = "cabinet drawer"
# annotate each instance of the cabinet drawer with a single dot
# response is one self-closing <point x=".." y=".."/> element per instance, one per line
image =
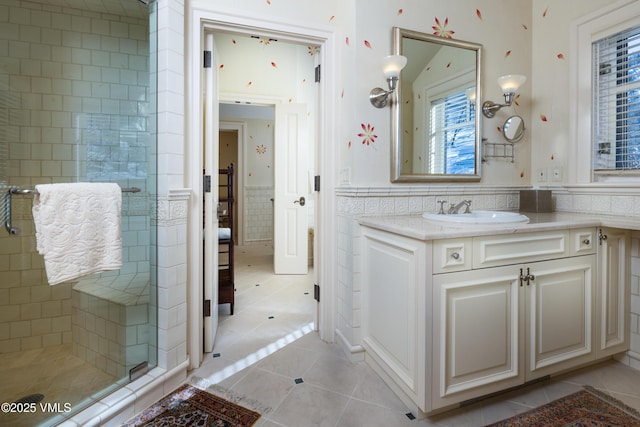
<point x="583" y="241"/>
<point x="504" y="249"/>
<point x="452" y="255"/>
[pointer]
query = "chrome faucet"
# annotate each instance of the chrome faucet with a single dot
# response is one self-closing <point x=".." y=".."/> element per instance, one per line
<point x="453" y="209"/>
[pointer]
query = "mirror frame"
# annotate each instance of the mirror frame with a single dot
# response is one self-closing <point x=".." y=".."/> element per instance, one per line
<point x="396" y="112"/>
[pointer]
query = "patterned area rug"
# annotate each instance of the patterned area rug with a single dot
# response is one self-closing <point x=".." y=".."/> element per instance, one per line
<point x="588" y="407"/>
<point x="189" y="406"/>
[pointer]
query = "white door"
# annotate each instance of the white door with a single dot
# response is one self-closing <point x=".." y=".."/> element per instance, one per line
<point x="210" y="147"/>
<point x="291" y="189"/>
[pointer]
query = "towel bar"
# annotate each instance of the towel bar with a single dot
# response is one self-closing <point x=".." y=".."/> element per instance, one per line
<point x="23" y="191"/>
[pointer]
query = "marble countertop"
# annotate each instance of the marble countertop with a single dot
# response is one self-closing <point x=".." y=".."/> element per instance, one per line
<point x="416" y="227"/>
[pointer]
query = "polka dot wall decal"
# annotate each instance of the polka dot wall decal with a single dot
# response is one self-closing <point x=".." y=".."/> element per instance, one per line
<point x="234" y="41"/>
<point x="274" y="65"/>
<point x="221" y="66"/>
<point x="400" y="12"/>
<point x="479" y="14"/>
<point x="367" y="44"/>
<point x="522" y="174"/>
<point x="553" y="157"/>
<point x="506" y="54"/>
<point x="346" y="40"/>
<point x="525" y="27"/>
<point x="543" y="118"/>
<point x="331" y="18"/>
<point x="544" y="14"/>
<point x="249" y="84"/>
<point x="349" y="145"/>
<point x="560" y="56"/>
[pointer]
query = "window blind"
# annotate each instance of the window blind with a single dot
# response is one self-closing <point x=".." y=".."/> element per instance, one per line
<point x="616" y="103"/>
<point x="452" y="135"/>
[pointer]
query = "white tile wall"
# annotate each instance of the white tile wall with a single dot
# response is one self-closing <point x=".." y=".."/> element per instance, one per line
<point x="258" y="213"/>
<point x="634" y="359"/>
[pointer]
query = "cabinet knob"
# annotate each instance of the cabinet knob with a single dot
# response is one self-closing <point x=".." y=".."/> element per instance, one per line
<point x="455" y="255"/>
<point x="586" y="242"/>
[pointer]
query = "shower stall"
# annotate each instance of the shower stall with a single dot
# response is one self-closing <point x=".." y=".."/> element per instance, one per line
<point x="77" y="104"/>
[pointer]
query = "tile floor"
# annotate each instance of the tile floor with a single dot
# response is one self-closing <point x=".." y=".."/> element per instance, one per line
<point x="53" y="372"/>
<point x="259" y="358"/>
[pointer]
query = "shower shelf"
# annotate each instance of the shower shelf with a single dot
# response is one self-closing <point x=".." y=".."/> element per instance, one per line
<point x="24" y="191"/>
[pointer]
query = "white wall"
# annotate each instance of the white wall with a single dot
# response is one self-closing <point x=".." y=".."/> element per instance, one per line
<point x="549" y="121"/>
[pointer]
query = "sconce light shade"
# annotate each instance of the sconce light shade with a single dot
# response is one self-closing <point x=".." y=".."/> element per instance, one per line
<point x="391" y="67"/>
<point x="509" y="85"/>
<point x="471" y="94"/>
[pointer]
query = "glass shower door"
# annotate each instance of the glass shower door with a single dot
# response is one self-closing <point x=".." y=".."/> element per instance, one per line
<point x="77" y="104"/>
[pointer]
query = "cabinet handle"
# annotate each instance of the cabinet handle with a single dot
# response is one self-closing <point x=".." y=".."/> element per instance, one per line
<point x="601" y="236"/>
<point x="586" y="242"/>
<point x="530" y="277"/>
<point x="455" y="255"/>
<point x="526" y="278"/>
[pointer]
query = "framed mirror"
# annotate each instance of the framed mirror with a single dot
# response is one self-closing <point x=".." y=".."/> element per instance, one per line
<point x="435" y="131"/>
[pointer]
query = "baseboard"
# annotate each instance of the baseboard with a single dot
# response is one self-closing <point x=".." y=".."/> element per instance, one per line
<point x="630" y="358"/>
<point x="355" y="353"/>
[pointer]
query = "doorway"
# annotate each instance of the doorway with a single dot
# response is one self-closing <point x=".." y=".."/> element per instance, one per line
<point x="271" y="141"/>
<point x="205" y="22"/>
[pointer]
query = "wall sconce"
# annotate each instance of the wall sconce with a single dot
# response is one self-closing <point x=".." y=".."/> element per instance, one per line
<point x="391" y="67"/>
<point x="510" y="85"/>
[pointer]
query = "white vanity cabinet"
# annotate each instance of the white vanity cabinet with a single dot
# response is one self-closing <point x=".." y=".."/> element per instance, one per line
<point x="448" y="320"/>
<point x="520" y="318"/>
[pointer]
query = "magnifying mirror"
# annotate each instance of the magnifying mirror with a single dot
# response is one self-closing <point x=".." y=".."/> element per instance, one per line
<point x="513" y="129"/>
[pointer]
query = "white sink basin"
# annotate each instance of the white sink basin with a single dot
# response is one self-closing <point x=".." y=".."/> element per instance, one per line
<point x="478" y="217"/>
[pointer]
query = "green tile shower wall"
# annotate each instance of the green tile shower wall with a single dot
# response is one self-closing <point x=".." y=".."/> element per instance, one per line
<point x="77" y="86"/>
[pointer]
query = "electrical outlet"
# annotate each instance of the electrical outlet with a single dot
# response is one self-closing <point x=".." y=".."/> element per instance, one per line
<point x="345" y="176"/>
<point x="556" y="174"/>
<point x="542" y="175"/>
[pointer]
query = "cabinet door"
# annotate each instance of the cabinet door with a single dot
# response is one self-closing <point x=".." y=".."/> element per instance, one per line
<point x="476" y="334"/>
<point x="613" y="292"/>
<point x="560" y="314"/>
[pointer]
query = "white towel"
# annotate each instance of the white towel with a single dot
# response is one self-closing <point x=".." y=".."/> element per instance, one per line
<point x="78" y="229"/>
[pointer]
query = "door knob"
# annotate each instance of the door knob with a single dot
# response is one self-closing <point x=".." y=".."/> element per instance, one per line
<point x="302" y="201"/>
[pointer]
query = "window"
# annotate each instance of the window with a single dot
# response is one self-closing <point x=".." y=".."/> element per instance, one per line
<point x="616" y="102"/>
<point x="451" y="148"/>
